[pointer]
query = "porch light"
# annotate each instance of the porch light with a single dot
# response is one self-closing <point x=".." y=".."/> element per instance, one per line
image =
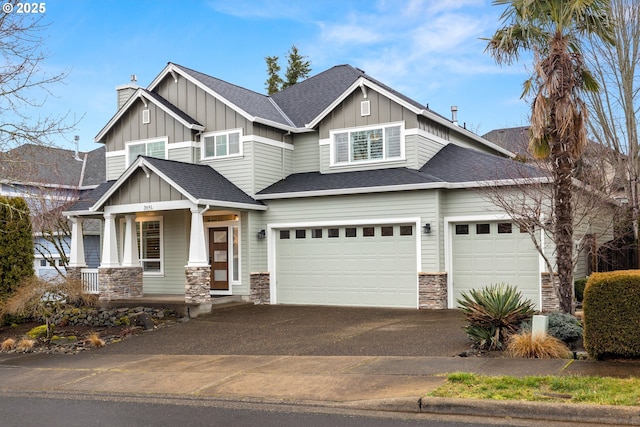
<point x="262" y="234"/>
<point x="427" y="228"/>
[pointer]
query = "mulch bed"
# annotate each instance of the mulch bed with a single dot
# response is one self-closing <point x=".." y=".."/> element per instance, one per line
<point x="72" y="339"/>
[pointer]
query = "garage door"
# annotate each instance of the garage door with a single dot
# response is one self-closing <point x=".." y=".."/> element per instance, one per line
<point x="353" y="265"/>
<point x="484" y="253"/>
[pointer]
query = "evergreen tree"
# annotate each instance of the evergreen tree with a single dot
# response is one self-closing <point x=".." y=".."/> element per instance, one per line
<point x="298" y="68"/>
<point x="274" y="82"/>
<point x="16" y="244"/>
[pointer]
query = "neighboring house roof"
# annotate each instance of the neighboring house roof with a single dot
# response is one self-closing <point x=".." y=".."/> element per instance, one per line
<point x="515" y="139"/>
<point x="41" y="165"/>
<point x="450" y="166"/>
<point x="184" y="177"/>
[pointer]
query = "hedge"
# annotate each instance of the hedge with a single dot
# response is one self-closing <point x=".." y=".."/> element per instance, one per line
<point x="612" y="315"/>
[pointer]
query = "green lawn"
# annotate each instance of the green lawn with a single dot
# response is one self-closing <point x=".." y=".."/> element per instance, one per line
<point x="570" y="389"/>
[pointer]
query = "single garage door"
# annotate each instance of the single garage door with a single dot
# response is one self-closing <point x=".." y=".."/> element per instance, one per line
<point x="371" y="265"/>
<point x="485" y="253"/>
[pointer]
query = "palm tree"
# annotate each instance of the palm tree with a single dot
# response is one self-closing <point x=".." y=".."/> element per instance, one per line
<point x="553" y="30"/>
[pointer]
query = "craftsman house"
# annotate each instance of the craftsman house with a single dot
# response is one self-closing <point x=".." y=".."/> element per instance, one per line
<point x="337" y="191"/>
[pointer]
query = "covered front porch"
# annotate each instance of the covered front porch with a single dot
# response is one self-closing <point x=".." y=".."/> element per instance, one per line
<point x="159" y="240"/>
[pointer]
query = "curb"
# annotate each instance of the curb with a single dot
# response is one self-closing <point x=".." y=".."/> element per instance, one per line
<point x="574" y="412"/>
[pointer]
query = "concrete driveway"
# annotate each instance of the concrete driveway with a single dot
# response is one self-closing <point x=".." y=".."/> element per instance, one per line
<point x="306" y="331"/>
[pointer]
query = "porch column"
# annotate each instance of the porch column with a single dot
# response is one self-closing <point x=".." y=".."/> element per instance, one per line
<point x="130" y="257"/>
<point x="76" y="258"/>
<point x="109" y="244"/>
<point x="197" y="243"/>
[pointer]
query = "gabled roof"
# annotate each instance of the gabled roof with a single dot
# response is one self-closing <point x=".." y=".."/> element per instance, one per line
<point x="147" y="96"/>
<point x="201" y="184"/>
<point x="452" y="167"/>
<point x="253" y="104"/>
<point x="305" y="102"/>
<point x="42" y="165"/>
<point x="298" y="108"/>
<point x="89" y="198"/>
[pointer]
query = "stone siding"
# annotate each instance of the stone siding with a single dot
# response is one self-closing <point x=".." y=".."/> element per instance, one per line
<point x="432" y="291"/>
<point x="550" y="301"/>
<point x="260" y="288"/>
<point x="120" y="283"/>
<point x="74" y="274"/>
<point x="197" y="288"/>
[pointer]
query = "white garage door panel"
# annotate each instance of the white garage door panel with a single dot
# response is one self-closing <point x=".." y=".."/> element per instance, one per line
<point x="479" y="260"/>
<point x="359" y="271"/>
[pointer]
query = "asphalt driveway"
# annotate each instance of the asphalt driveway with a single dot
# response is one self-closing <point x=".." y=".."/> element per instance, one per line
<point x="306" y="330"/>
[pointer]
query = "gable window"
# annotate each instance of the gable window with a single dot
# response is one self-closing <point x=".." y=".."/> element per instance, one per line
<point x="221" y="144"/>
<point x="368" y="144"/>
<point x="152" y="148"/>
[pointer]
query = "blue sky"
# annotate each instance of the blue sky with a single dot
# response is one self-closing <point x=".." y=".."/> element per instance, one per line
<point x="430" y="50"/>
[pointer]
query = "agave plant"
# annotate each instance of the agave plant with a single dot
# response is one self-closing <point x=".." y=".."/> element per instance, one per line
<point x="494" y="313"/>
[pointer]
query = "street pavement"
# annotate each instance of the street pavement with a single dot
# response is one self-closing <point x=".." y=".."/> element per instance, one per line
<point x="376" y="359"/>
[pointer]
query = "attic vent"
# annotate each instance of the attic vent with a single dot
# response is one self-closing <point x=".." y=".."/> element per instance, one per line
<point x="365" y="108"/>
<point x="145" y="117"/>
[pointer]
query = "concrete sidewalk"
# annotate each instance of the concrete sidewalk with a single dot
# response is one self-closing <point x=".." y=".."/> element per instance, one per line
<point x="389" y="383"/>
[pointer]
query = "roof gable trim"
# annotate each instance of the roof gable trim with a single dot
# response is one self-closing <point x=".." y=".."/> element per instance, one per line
<point x="140" y="163"/>
<point x="145" y="98"/>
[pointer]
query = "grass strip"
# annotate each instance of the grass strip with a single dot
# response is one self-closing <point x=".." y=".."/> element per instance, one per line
<point x="569" y="389"/>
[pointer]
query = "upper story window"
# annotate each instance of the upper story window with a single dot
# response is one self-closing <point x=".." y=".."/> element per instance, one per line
<point x="151" y="147"/>
<point x="222" y="144"/>
<point x="378" y="143"/>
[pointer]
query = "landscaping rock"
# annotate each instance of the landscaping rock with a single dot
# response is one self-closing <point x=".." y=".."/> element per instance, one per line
<point x="142" y="319"/>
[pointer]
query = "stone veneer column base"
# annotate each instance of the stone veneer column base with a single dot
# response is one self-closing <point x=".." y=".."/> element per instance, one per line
<point x="260" y="288"/>
<point x="119" y="283"/>
<point x="432" y="291"/>
<point x="197" y="288"/>
<point x="550" y="300"/>
<point x="74" y="274"/>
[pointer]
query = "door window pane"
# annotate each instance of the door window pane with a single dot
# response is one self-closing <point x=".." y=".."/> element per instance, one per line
<point x="387" y="231"/>
<point x="462" y="229"/>
<point x="219" y="256"/>
<point x="483" y="228"/>
<point x="504" y="228"/>
<point x="220" y="237"/>
<point x="406" y="230"/>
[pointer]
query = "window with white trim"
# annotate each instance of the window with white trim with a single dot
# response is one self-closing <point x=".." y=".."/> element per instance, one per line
<point x="150" y="242"/>
<point x="152" y="148"/>
<point x="367" y="144"/>
<point x="221" y="144"/>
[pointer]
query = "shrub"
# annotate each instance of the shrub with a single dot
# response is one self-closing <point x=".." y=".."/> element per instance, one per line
<point x="38" y="331"/>
<point x="16" y="244"/>
<point x="25" y="345"/>
<point x="7" y="344"/>
<point x="611" y="315"/>
<point x="578" y="287"/>
<point x="537" y="346"/>
<point x="494" y="313"/>
<point x="95" y="340"/>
